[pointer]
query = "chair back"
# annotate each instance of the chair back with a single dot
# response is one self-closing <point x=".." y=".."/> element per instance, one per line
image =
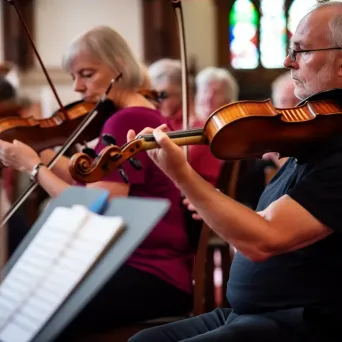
<point x="227" y="184"/>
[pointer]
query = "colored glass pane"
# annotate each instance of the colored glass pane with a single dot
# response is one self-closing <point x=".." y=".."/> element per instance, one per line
<point x="272" y="33"/>
<point x="243" y="20"/>
<point x="297" y="11"/>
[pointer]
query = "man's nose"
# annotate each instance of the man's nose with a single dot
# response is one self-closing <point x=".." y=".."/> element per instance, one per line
<point x="289" y="63"/>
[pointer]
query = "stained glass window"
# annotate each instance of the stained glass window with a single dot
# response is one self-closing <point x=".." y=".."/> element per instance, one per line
<point x="272" y="33"/>
<point x="275" y="31"/>
<point x="244" y="21"/>
<point x="297" y="11"/>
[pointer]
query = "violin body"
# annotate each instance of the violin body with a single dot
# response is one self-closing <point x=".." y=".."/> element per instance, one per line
<point x="248" y="129"/>
<point x="239" y="130"/>
<point x="42" y="134"/>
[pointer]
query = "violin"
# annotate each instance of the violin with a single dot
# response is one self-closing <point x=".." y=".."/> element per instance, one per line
<point x="239" y="130"/>
<point x="42" y="134"/>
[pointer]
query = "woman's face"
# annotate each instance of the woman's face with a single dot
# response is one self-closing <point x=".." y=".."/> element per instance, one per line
<point x="91" y="78"/>
<point x="170" y="106"/>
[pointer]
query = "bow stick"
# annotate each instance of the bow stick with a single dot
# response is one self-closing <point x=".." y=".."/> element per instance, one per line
<point x="177" y="6"/>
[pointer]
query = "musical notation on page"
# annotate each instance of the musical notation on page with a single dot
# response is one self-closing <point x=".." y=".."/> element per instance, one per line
<point x="60" y="255"/>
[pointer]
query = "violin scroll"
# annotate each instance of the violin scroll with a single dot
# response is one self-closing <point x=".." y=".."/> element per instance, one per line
<point x="85" y="169"/>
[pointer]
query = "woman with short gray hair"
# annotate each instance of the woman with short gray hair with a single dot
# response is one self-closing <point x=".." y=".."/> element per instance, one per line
<point x="215" y="87"/>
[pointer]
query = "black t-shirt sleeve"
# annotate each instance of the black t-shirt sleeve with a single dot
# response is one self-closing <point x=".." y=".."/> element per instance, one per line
<point x="319" y="191"/>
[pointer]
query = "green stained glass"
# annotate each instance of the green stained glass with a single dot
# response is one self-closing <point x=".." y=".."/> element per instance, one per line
<point x="243" y="20"/>
<point x="243" y="11"/>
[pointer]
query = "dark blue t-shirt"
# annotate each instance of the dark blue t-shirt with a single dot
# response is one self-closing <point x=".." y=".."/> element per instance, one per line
<point x="310" y="277"/>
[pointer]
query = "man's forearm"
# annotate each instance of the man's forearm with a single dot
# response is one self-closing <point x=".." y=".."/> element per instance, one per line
<point x="232" y="221"/>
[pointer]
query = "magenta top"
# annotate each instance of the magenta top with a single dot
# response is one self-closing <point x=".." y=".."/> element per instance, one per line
<point x="165" y="252"/>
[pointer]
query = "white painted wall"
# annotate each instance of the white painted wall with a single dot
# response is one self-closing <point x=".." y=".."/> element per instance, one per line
<point x="57" y="22"/>
<point x="200" y="31"/>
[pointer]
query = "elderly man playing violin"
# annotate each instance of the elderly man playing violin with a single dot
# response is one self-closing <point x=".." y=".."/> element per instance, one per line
<point x="286" y="278"/>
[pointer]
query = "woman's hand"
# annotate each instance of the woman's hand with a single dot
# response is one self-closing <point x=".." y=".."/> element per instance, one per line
<point x="170" y="158"/>
<point x="191" y="207"/>
<point x="18" y="156"/>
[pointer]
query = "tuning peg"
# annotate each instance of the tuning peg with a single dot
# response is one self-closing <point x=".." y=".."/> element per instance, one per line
<point x="135" y="163"/>
<point x="123" y="174"/>
<point x="114" y="158"/>
<point x="90" y="152"/>
<point x="108" y="140"/>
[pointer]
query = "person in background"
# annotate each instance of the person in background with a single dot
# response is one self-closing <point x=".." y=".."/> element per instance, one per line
<point x="18" y="224"/>
<point x="215" y="87"/>
<point x="156" y="280"/>
<point x="166" y="76"/>
<point x="282" y="97"/>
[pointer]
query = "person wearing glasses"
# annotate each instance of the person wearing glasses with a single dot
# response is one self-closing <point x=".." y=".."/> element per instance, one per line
<point x="285" y="280"/>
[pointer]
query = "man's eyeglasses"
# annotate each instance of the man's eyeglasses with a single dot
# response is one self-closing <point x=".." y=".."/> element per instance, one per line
<point x="293" y="53"/>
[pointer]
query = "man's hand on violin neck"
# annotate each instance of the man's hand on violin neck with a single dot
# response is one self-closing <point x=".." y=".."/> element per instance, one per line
<point x="170" y="158"/>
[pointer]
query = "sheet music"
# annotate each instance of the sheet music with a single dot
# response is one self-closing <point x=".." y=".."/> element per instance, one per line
<point x="59" y="256"/>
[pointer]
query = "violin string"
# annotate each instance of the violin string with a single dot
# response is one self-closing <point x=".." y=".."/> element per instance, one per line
<point x="90" y="116"/>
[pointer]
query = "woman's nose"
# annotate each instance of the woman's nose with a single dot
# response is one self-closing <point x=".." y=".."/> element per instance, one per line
<point x="79" y="85"/>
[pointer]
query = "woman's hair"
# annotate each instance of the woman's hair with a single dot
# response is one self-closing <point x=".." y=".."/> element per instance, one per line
<point x="168" y="71"/>
<point x="107" y="46"/>
<point x="146" y="82"/>
<point x="214" y="74"/>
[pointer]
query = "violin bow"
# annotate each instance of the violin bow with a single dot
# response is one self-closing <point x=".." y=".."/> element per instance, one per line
<point x="86" y="121"/>
<point x="177" y="6"/>
<point x="21" y="18"/>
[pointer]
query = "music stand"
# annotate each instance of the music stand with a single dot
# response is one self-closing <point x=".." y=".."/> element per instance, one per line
<point x="140" y="217"/>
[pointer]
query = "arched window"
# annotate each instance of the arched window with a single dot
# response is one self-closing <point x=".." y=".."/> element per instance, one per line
<point x="259" y="31"/>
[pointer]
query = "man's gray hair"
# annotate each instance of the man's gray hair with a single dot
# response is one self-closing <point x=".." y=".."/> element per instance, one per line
<point x="214" y="74"/>
<point x="107" y="46"/>
<point x="335" y="25"/>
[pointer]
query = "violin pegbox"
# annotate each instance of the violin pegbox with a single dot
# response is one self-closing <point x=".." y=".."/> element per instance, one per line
<point x="85" y="169"/>
<point x="109" y="140"/>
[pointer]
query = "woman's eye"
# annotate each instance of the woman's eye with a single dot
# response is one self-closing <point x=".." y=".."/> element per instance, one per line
<point x="87" y="75"/>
